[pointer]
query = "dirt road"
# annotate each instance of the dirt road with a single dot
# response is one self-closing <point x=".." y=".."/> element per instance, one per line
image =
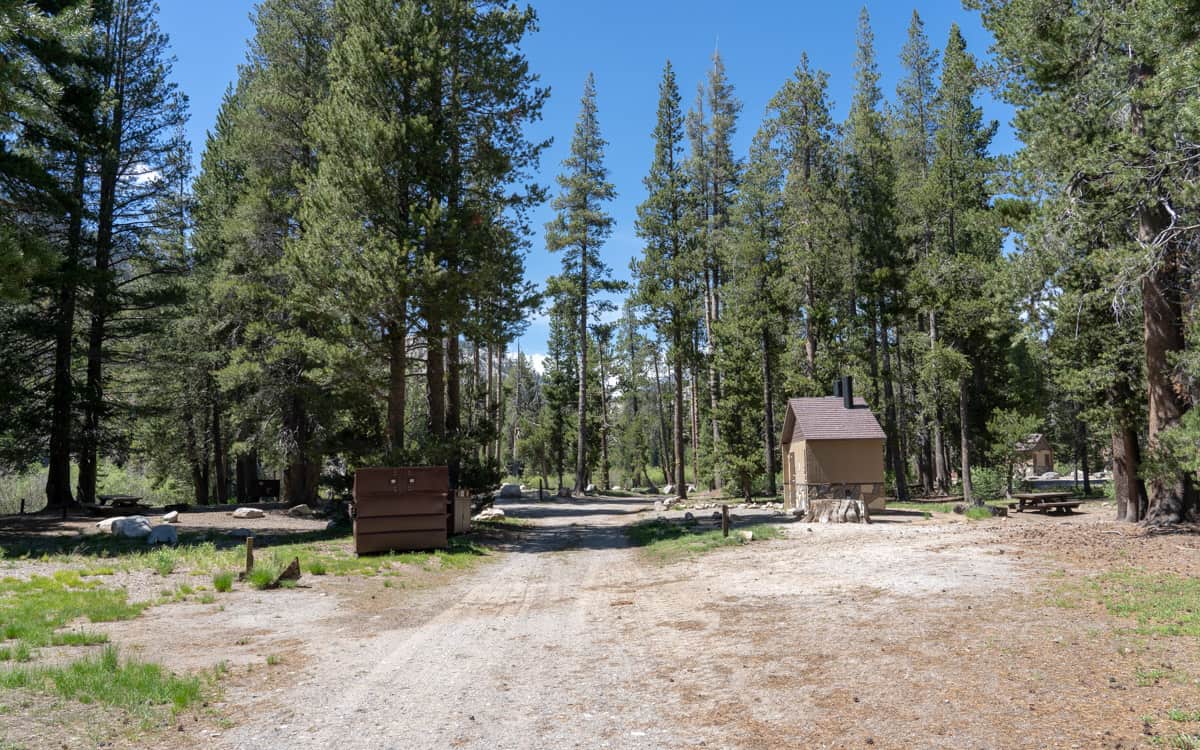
<point x="890" y="635"/>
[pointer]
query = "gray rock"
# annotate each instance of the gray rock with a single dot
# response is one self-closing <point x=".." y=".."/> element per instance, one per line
<point x="590" y="489"/>
<point x="746" y="536"/>
<point x="172" y="517"/>
<point x="300" y="511"/>
<point x="669" y="489"/>
<point x="106" y="525"/>
<point x="489" y="514"/>
<point x="564" y="492"/>
<point x="249" y="513"/>
<point x="164" y="534"/>
<point x="510" y="491"/>
<point x="133" y="527"/>
<point x="688" y="516"/>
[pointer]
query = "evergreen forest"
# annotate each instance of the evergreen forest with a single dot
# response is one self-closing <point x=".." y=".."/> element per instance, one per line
<point x="342" y="281"/>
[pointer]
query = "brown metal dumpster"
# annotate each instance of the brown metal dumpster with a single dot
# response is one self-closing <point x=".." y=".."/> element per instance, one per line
<point x="400" y="509"/>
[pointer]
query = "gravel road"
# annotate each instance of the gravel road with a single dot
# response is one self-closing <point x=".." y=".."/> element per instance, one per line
<point x="893" y="635"/>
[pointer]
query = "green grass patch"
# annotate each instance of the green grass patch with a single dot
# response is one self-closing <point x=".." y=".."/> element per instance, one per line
<point x="33" y="611"/>
<point x="262" y="576"/>
<point x="976" y="513"/>
<point x="1161" y="603"/>
<point x="223" y="582"/>
<point x="666" y="541"/>
<point x="317" y="567"/>
<point x="141" y="688"/>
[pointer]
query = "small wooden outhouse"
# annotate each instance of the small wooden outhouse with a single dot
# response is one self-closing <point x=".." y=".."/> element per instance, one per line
<point x="832" y="449"/>
<point x="1036" y="455"/>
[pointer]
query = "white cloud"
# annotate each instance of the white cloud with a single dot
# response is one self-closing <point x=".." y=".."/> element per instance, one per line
<point x="143" y="174"/>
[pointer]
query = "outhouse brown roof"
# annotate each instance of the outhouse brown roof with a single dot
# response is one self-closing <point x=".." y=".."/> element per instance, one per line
<point x="1032" y="443"/>
<point x="827" y="418"/>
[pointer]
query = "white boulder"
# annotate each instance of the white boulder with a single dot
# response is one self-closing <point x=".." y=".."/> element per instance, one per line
<point x="510" y="491"/>
<point x="106" y="525"/>
<point x="669" y="489"/>
<point x="172" y="517"/>
<point x="249" y="513"/>
<point x="746" y="536"/>
<point x="300" y="511"/>
<point x="489" y="514"/>
<point x="164" y="534"/>
<point x="133" y="527"/>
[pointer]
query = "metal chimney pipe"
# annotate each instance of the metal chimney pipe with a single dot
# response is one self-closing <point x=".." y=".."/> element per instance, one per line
<point x="848" y="391"/>
<point x="837" y="387"/>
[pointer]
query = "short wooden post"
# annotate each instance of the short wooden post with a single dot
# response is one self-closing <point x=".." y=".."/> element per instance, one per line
<point x="22" y="506"/>
<point x="541" y="489"/>
<point x="724" y="520"/>
<point x="249" y="554"/>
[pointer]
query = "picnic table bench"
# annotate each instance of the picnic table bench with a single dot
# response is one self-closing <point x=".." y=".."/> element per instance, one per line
<point x="1045" y="502"/>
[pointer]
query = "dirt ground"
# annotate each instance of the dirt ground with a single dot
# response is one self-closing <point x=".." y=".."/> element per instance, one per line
<point x="907" y="633"/>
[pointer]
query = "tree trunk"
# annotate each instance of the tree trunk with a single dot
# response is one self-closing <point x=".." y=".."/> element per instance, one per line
<point x="898" y="463"/>
<point x="1128" y="489"/>
<point x="677" y="357"/>
<point x="246" y="470"/>
<point x="941" y="473"/>
<point x="666" y="452"/>
<point x="810" y="332"/>
<point x="58" y="474"/>
<point x="199" y="463"/>
<point x="605" y="475"/>
<point x="768" y="411"/>
<point x="1082" y="437"/>
<point x="1171" y="497"/>
<point x="695" y="409"/>
<point x="397" y="385"/>
<point x="454" y="405"/>
<point x="964" y="425"/>
<point x="435" y="380"/>
<point x="302" y="471"/>
<point x="581" y="448"/>
<point x="714" y="377"/>
<point x="220" y="465"/>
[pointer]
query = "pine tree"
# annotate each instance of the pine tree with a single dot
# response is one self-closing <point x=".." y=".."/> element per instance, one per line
<point x="813" y="225"/>
<point x="138" y="137"/>
<point x="1116" y="134"/>
<point x="715" y="172"/>
<point x="958" y="275"/>
<point x="664" y="273"/>
<point x="871" y="175"/>
<point x="580" y="230"/>
<point x="913" y="128"/>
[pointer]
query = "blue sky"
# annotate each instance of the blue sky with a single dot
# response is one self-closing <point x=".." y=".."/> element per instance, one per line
<point x="625" y="43"/>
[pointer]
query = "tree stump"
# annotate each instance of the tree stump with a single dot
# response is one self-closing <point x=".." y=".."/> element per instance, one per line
<point x="837" y="511"/>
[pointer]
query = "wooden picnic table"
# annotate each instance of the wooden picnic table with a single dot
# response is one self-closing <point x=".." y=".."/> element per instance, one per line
<point x="1044" y="502"/>
<point x="117" y="499"/>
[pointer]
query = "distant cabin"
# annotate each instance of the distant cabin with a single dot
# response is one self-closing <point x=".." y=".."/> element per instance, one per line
<point x="1036" y="455"/>
<point x="833" y="448"/>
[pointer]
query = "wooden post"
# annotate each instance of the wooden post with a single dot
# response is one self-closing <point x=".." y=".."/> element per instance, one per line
<point x="22" y="506"/>
<point x="249" y="554"/>
<point x="541" y="495"/>
<point x="724" y="520"/>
